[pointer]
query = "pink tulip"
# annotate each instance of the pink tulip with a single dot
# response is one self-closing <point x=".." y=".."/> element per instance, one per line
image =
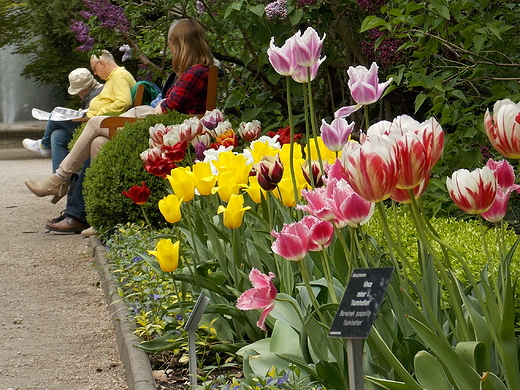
<point x="498" y="209"/>
<point x="292" y="243"/>
<point x="505" y="176"/>
<point x="282" y="58"/>
<point x="318" y="203"/>
<point x="473" y="192"/>
<point x="307" y="47"/>
<point x="349" y="208"/>
<point x="371" y="168"/>
<point x="504" y="173"/>
<point x="261" y="296"/>
<point x="320" y="232"/>
<point x="365" y="88"/>
<point x="503" y="128"/>
<point x="336" y="135"/>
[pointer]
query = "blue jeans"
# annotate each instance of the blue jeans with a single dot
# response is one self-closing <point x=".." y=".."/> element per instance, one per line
<point x="56" y="138"/>
<point x="75" y="202"/>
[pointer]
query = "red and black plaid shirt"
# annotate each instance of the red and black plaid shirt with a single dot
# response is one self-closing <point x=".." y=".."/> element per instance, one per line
<point x="188" y="94"/>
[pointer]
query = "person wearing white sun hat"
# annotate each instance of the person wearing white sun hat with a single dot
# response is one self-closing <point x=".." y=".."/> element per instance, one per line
<point x="59" y="133"/>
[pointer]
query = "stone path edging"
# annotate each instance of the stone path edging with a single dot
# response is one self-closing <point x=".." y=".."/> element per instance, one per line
<point x="136" y="362"/>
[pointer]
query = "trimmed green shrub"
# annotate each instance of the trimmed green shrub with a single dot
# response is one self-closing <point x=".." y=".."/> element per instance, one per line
<point x="118" y="167"/>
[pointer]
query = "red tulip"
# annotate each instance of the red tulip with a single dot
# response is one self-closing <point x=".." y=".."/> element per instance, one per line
<point x="156" y="163"/>
<point x="138" y="194"/>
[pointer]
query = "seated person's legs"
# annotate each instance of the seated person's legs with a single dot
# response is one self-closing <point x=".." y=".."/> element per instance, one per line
<point x="74" y="217"/>
<point x="60" y="139"/>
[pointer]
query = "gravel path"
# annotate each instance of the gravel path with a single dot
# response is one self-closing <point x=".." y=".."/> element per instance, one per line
<point x="55" y="330"/>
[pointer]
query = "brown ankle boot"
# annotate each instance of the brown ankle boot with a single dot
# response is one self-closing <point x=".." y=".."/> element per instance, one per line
<point x="54" y="185"/>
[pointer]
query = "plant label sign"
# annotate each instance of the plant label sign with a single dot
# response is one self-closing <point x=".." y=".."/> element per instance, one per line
<point x="361" y="302"/>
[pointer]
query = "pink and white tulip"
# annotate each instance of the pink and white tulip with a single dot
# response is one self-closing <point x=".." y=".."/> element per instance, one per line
<point x="365" y="88"/>
<point x="336" y="135"/>
<point x="320" y="232"/>
<point x="261" y="296"/>
<point x="282" y="58"/>
<point x="292" y="243"/>
<point x="349" y="208"/>
<point x="307" y="47"/>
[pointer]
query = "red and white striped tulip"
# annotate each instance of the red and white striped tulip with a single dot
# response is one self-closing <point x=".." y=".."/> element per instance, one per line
<point x="371" y="168"/>
<point x="473" y="192"/>
<point x="503" y="128"/>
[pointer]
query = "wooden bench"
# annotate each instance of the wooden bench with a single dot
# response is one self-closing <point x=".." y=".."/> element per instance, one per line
<point x="114" y="123"/>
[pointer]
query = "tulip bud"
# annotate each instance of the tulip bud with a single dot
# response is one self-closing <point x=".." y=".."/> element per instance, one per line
<point x="211" y="119"/>
<point x="269" y="172"/>
<point x="315" y="170"/>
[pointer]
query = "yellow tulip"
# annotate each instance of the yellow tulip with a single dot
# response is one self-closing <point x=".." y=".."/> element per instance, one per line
<point x="227" y="185"/>
<point x="170" y="208"/>
<point x="285" y="192"/>
<point x="234" y="212"/>
<point x="181" y="181"/>
<point x="228" y="161"/>
<point x="325" y="153"/>
<point x="203" y="177"/>
<point x="261" y="149"/>
<point x="255" y="191"/>
<point x="167" y="253"/>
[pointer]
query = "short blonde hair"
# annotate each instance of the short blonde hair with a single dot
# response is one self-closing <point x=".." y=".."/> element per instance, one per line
<point x="188" y="45"/>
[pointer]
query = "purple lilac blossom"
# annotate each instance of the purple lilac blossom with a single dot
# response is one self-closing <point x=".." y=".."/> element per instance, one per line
<point x="200" y="7"/>
<point x="386" y="54"/>
<point x="276" y="10"/>
<point x="305" y="4"/>
<point x="371" y="6"/>
<point x="110" y="15"/>
<point x="81" y="30"/>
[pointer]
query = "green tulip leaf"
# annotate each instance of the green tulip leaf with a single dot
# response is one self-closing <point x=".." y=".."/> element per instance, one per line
<point x="387" y="383"/>
<point x="491" y="382"/>
<point x="330" y="375"/>
<point x="465" y="377"/>
<point x="430" y="373"/>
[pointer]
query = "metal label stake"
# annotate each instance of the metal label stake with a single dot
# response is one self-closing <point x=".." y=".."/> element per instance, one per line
<point x="356" y="314"/>
<point x="191" y="326"/>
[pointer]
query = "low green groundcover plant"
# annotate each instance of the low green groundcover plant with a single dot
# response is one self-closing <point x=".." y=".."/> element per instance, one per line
<point x="118" y="167"/>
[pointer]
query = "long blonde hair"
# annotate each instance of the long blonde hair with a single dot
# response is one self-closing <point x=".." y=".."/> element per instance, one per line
<point x="188" y="45"/>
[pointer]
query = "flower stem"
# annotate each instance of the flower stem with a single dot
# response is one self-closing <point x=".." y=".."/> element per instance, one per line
<point x="291" y="131"/>
<point x="306" y="282"/>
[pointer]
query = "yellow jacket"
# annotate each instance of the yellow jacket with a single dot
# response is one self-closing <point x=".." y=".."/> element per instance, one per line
<point x="116" y="94"/>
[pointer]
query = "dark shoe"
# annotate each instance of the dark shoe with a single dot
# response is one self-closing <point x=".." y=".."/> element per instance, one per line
<point x="67" y="225"/>
<point x="58" y="219"/>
